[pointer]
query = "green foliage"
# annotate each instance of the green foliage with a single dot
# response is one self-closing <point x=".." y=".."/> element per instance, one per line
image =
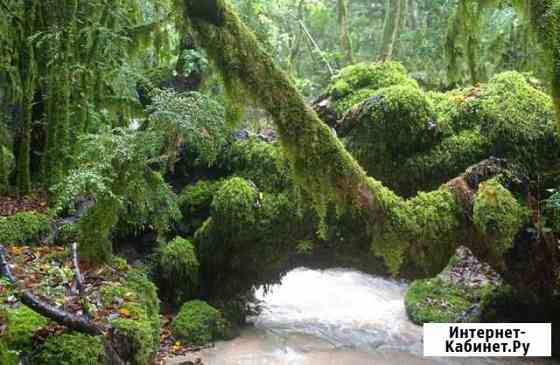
<point x="179" y="266"/>
<point x="498" y="215"/>
<point x="198" y="323"/>
<point x="24" y="228"/>
<point x="114" y="168"/>
<point x="425" y="299"/>
<point x="7" y="165"/>
<point x="71" y="349"/>
<point x="22" y="324"/>
<point x="193" y="120"/>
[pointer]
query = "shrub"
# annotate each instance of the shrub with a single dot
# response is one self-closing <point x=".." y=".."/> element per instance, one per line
<point x="24" y="228"/>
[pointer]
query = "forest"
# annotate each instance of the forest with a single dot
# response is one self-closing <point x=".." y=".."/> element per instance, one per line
<point x="274" y="182"/>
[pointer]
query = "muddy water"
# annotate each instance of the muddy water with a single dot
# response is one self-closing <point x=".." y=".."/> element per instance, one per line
<point x="334" y="317"/>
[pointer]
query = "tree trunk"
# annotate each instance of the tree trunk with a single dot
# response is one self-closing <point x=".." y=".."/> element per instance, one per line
<point x="391" y="28"/>
<point x="344" y="28"/>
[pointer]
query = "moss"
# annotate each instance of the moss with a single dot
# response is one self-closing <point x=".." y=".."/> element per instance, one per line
<point x="392" y="125"/>
<point x="199" y="323"/>
<point x="234" y="204"/>
<point x="261" y="162"/>
<point x="142" y="326"/>
<point x="22" y="325"/>
<point x="498" y="215"/>
<point x="179" y="266"/>
<point x="71" y="349"/>
<point x="357" y="82"/>
<point x="24" y="228"/>
<point x="446" y="160"/>
<point x="195" y="200"/>
<point x="434" y="300"/>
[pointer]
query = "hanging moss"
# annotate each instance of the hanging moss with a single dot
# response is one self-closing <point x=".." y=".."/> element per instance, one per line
<point x="24" y="228"/>
<point x="7" y="165"/>
<point x="178" y="266"/>
<point x="198" y="323"/>
<point x="71" y="349"/>
<point x="498" y="215"/>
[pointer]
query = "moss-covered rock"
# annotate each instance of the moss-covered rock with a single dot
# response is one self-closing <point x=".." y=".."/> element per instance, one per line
<point x="24" y="228"/>
<point x="498" y="215"/>
<point x="389" y="127"/>
<point x="22" y="323"/>
<point x="434" y="300"/>
<point x="199" y="323"/>
<point x="71" y="349"/>
<point x="454" y="295"/>
<point x="356" y="83"/>
<point x="178" y="267"/>
<point x="139" y="327"/>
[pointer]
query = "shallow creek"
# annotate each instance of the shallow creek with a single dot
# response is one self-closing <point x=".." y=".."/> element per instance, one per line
<point x="333" y="317"/>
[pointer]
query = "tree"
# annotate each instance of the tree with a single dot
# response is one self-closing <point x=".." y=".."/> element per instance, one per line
<point x="344" y="28"/>
<point x="391" y="27"/>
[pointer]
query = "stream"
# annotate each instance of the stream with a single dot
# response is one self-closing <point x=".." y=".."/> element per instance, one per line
<point x="333" y="317"/>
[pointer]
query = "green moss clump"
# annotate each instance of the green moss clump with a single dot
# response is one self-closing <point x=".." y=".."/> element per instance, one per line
<point x="357" y="82"/>
<point x="142" y="327"/>
<point x="71" y="349"/>
<point x="178" y="266"/>
<point x="199" y="323"/>
<point x="261" y="162"/>
<point x="24" y="228"/>
<point x="394" y="124"/>
<point x="195" y="200"/>
<point x="498" y="215"/>
<point x="234" y="204"/>
<point x="425" y="300"/>
<point x="22" y="324"/>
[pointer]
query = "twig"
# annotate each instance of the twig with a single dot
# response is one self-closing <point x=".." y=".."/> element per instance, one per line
<point x="64" y="318"/>
<point x="79" y="278"/>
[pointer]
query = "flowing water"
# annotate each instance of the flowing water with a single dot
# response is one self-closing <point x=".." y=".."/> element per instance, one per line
<point x="333" y="317"/>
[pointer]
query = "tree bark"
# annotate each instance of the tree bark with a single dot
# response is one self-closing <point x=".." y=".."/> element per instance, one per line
<point x="391" y="28"/>
<point x="344" y="28"/>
